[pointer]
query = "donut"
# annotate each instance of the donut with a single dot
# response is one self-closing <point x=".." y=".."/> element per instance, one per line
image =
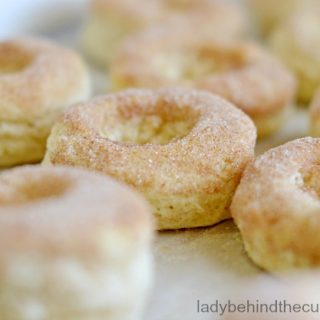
<point x="315" y="116"/>
<point x="293" y="297"/>
<point x="276" y="207"/>
<point x="268" y="14"/>
<point x="242" y="72"/>
<point x="184" y="150"/>
<point x="111" y="21"/>
<point x="297" y="42"/>
<point x="75" y="245"/>
<point x="38" y="80"/>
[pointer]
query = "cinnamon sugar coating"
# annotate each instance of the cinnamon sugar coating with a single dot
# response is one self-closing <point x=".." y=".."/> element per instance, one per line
<point x="276" y="207"/>
<point x="184" y="150"/>
<point x="38" y="79"/>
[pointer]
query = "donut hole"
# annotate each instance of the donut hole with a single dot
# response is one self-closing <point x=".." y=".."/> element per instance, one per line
<point x="20" y="190"/>
<point x="157" y="125"/>
<point x="12" y="59"/>
<point x="311" y="180"/>
<point x="194" y="63"/>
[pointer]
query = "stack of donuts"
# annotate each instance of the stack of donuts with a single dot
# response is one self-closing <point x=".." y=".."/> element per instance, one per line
<point x="170" y="145"/>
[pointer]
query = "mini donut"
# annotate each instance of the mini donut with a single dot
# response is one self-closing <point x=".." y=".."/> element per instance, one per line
<point x="293" y="297"/>
<point x="111" y="21"/>
<point x="270" y="13"/>
<point x="184" y="150"/>
<point x="75" y="245"/>
<point x="241" y="72"/>
<point x="277" y="207"/>
<point x="38" y="80"/>
<point x="297" y="42"/>
<point x="315" y="116"/>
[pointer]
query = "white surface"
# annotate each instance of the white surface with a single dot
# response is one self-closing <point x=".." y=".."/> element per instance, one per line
<point x="190" y="265"/>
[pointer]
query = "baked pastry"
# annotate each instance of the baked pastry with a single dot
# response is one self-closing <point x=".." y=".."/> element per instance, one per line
<point x="184" y="150"/>
<point x="111" y="21"/>
<point x="276" y="207"/>
<point x="268" y="14"/>
<point x="75" y="245"/>
<point x="297" y="42"/>
<point x="315" y="115"/>
<point x="38" y="80"/>
<point x="242" y="72"/>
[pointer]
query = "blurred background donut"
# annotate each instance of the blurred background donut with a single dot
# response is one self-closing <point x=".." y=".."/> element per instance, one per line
<point x="111" y="21"/>
<point x="242" y="72"/>
<point x="75" y="245"/>
<point x="297" y="42"/>
<point x="38" y="80"/>
<point x="267" y="14"/>
<point x="314" y="117"/>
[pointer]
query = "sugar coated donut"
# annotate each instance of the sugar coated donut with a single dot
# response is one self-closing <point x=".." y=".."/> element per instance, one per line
<point x="293" y="297"/>
<point x="75" y="245"/>
<point x="276" y="207"/>
<point x="111" y="21"/>
<point x="37" y="81"/>
<point x="297" y="42"/>
<point x="269" y="13"/>
<point x="184" y="150"/>
<point x="315" y="115"/>
<point x="241" y="72"/>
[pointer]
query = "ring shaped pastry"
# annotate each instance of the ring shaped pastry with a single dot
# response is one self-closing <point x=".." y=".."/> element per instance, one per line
<point x="111" y="21"/>
<point x="184" y="150"/>
<point x="75" y="245"/>
<point x="37" y="81"/>
<point x="315" y="115"/>
<point x="277" y="207"/>
<point x="297" y="42"/>
<point x="243" y="73"/>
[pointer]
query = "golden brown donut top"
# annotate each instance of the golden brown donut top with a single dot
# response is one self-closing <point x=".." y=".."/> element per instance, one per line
<point x="280" y="185"/>
<point x="109" y="132"/>
<point x="37" y="77"/>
